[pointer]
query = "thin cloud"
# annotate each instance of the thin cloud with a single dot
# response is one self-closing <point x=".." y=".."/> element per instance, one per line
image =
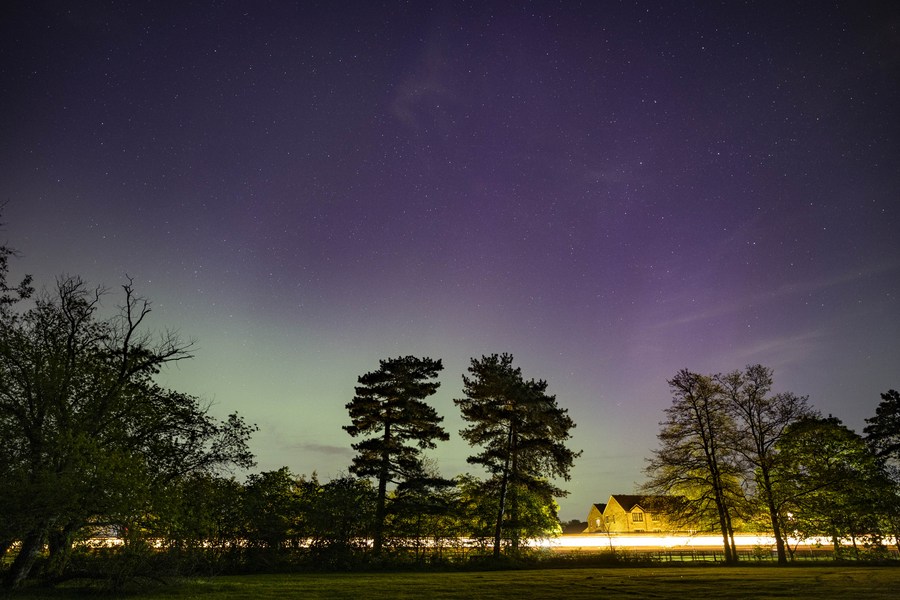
<point x="787" y="290"/>
<point x="418" y="99"/>
<point x="784" y="350"/>
<point x="814" y="285"/>
<point x="326" y="449"/>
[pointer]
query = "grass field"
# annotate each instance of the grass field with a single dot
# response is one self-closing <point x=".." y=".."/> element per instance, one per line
<point x="718" y="582"/>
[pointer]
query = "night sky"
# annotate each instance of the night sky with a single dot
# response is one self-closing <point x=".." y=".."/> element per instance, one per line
<point x="610" y="191"/>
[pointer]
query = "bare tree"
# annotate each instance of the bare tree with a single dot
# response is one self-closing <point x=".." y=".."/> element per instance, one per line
<point x="693" y="460"/>
<point x="760" y="422"/>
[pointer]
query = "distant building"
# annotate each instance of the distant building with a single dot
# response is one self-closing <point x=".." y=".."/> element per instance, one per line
<point x="595" y="518"/>
<point x="629" y="513"/>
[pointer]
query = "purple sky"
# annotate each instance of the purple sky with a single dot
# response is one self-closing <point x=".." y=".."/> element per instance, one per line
<point x="610" y="191"/>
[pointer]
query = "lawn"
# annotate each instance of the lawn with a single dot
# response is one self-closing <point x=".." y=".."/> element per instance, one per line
<point x="817" y="582"/>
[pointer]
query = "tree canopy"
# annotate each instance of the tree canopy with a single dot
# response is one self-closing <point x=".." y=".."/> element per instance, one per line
<point x="829" y="482"/>
<point x="883" y="430"/>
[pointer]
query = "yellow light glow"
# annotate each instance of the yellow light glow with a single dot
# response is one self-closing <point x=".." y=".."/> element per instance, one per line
<point x="675" y="541"/>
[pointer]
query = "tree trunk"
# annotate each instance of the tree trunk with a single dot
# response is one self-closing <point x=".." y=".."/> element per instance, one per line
<point x="28" y="553"/>
<point x="723" y="528"/>
<point x="380" y="512"/>
<point x="498" y="526"/>
<point x="724" y="517"/>
<point x="59" y="544"/>
<point x="501" y="509"/>
<point x="791" y="551"/>
<point x="734" y="553"/>
<point x="514" y="501"/>
<point x="516" y="531"/>
<point x="779" y="538"/>
<point x="895" y="528"/>
<point x="773" y="516"/>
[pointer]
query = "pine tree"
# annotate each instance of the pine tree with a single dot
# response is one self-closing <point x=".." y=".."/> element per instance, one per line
<point x="521" y="432"/>
<point x="389" y="409"/>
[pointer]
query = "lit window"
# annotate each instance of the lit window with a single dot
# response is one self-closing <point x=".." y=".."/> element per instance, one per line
<point x="637" y="517"/>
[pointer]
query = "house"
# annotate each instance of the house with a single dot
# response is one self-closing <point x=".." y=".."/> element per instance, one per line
<point x="629" y="513"/>
<point x="595" y="518"/>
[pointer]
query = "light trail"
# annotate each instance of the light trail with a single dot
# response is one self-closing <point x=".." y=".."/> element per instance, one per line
<point x="675" y="541"/>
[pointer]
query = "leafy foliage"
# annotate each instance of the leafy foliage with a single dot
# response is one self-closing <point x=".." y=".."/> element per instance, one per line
<point x="829" y="482"/>
<point x="340" y="516"/>
<point x="89" y="437"/>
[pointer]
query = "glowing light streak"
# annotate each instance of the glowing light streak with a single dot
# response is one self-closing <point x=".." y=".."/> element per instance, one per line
<point x="675" y="541"/>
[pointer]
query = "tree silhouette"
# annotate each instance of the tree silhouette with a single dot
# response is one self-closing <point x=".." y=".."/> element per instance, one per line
<point x="521" y="432"/>
<point x="760" y="421"/>
<point x="693" y="459"/>
<point x="883" y="430"/>
<point x="389" y="408"/>
<point x="883" y="437"/>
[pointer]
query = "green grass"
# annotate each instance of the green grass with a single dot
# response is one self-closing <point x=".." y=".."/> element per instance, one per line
<point x="718" y="582"/>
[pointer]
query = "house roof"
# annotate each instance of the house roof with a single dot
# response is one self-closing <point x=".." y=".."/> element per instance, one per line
<point x="647" y="502"/>
<point x="627" y="501"/>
